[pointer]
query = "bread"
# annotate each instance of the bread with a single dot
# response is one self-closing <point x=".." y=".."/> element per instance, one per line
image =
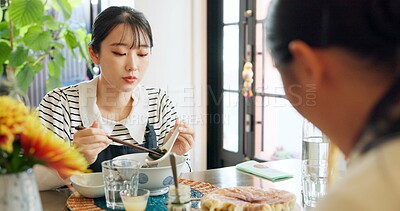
<point x="248" y="198"/>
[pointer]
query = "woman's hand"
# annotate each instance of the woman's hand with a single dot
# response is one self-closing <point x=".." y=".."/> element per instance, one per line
<point x="185" y="140"/>
<point x="91" y="141"/>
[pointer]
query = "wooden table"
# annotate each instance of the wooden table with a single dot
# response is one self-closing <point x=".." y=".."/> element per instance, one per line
<point x="222" y="177"/>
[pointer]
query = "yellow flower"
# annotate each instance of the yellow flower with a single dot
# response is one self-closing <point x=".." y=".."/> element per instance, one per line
<point x="12" y="115"/>
<point x="41" y="143"/>
<point x="37" y="143"/>
<point x="6" y="139"/>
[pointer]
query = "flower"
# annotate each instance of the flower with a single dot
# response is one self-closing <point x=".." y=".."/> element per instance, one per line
<point x="24" y="142"/>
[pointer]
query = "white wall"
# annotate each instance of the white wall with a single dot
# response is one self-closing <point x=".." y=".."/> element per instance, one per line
<point x="178" y="62"/>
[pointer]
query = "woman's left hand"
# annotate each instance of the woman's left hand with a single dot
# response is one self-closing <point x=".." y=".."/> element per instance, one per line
<point x="185" y="140"/>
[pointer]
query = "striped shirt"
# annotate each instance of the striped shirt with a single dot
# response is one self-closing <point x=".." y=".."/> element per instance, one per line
<point x="62" y="109"/>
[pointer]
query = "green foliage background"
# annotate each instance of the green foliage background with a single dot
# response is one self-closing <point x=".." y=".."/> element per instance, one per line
<point x="29" y="34"/>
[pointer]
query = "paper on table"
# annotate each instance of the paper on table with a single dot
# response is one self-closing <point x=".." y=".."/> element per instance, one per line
<point x="262" y="170"/>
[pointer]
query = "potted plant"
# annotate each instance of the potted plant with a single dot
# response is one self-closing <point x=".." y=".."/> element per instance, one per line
<point x="31" y="38"/>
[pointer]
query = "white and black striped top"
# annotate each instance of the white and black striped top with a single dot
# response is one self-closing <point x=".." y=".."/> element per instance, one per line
<point x="60" y="111"/>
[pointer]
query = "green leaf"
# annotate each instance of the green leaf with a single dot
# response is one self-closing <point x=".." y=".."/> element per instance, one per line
<point x="7" y="16"/>
<point x="64" y="7"/>
<point x="52" y="83"/>
<point x="37" y="39"/>
<point x="1" y="69"/>
<point x="58" y="58"/>
<point x="5" y="51"/>
<point x="58" y="45"/>
<point x="21" y="31"/>
<point x="70" y="39"/>
<point x="4" y="32"/>
<point x="25" y="77"/>
<point x="25" y="12"/>
<point x="50" y="23"/>
<point x="75" y="3"/>
<point x="37" y="68"/>
<point x="54" y="70"/>
<point x="18" y="56"/>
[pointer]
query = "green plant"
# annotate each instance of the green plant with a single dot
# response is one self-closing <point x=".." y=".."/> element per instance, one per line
<point x="30" y="37"/>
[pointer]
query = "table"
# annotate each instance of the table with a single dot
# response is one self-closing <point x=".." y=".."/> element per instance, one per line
<point x="221" y="177"/>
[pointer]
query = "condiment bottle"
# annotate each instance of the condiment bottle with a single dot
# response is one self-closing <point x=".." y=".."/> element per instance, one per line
<point x="180" y="202"/>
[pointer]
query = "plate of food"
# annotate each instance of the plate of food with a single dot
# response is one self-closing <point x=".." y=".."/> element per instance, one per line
<point x="249" y="198"/>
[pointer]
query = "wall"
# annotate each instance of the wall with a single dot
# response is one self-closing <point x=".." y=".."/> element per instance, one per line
<point x="178" y="62"/>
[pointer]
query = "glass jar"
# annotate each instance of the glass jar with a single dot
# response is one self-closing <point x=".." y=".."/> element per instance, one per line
<point x="179" y="200"/>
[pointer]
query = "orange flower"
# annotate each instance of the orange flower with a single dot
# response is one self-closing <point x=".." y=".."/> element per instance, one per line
<point x="12" y="116"/>
<point x="37" y="143"/>
<point x="6" y="139"/>
<point x="42" y="144"/>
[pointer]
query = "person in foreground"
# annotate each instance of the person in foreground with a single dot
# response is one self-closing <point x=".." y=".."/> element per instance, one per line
<point x="114" y="103"/>
<point x="348" y="54"/>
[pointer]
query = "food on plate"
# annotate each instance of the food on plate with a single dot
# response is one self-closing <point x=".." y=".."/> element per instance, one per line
<point x="248" y="198"/>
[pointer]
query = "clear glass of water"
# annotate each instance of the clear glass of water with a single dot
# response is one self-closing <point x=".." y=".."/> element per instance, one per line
<point x="314" y="181"/>
<point x="119" y="175"/>
<point x="315" y="143"/>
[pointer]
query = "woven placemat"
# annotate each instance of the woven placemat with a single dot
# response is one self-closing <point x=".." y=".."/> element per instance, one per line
<point x="198" y="190"/>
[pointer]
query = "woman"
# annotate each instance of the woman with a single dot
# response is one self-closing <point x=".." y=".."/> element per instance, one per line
<point x="348" y="52"/>
<point x="115" y="103"/>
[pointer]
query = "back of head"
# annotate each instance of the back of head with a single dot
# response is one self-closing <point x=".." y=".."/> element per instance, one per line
<point x="111" y="17"/>
<point x="368" y="28"/>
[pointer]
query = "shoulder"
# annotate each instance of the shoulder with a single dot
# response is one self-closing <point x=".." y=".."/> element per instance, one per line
<point x="62" y="93"/>
<point x="155" y="91"/>
<point x="157" y="94"/>
<point x="372" y="176"/>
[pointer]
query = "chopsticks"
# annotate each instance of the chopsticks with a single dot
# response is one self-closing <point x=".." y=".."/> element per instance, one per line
<point x="80" y="127"/>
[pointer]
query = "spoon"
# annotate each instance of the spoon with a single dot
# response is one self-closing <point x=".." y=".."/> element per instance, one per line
<point x="167" y="146"/>
<point x="175" y="175"/>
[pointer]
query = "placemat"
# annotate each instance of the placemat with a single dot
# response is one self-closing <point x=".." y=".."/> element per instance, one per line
<point x="156" y="203"/>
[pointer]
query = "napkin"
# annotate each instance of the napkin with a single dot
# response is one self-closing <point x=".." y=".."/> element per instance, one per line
<point x="262" y="170"/>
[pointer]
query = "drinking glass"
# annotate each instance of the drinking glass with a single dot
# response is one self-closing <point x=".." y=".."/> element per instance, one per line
<point x="136" y="202"/>
<point x="314" y="181"/>
<point x="315" y="143"/>
<point x="119" y="175"/>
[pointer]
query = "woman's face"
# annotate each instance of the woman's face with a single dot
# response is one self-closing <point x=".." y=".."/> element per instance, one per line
<point x="122" y="67"/>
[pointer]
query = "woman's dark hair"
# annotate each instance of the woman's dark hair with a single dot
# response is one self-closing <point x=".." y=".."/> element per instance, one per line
<point x="111" y="17"/>
<point x="368" y="28"/>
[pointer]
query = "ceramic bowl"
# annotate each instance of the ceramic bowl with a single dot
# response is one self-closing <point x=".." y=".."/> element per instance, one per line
<point x="89" y="185"/>
<point x="156" y="179"/>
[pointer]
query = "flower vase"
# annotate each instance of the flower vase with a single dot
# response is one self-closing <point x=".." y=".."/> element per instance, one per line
<point x="18" y="191"/>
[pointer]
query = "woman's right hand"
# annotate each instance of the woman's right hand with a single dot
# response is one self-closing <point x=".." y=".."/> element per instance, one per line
<point x="91" y="141"/>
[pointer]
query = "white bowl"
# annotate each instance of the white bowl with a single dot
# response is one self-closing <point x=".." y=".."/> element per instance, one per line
<point x="90" y="185"/>
<point x="156" y="179"/>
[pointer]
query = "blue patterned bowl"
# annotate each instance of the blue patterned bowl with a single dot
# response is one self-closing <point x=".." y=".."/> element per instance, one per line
<point x="156" y="179"/>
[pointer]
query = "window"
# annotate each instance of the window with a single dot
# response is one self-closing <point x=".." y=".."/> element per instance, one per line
<point x="262" y="127"/>
<point x="277" y="124"/>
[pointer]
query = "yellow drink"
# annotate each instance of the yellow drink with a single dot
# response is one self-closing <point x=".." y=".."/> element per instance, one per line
<point x="136" y="203"/>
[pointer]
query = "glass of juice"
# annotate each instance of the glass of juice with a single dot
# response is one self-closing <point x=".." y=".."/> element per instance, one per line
<point x="135" y="202"/>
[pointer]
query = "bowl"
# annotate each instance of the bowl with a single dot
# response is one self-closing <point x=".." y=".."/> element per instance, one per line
<point x="156" y="179"/>
<point x="89" y="185"/>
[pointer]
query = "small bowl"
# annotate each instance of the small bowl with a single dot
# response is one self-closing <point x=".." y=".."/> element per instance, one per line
<point x="156" y="179"/>
<point x="89" y="185"/>
<point x="135" y="203"/>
